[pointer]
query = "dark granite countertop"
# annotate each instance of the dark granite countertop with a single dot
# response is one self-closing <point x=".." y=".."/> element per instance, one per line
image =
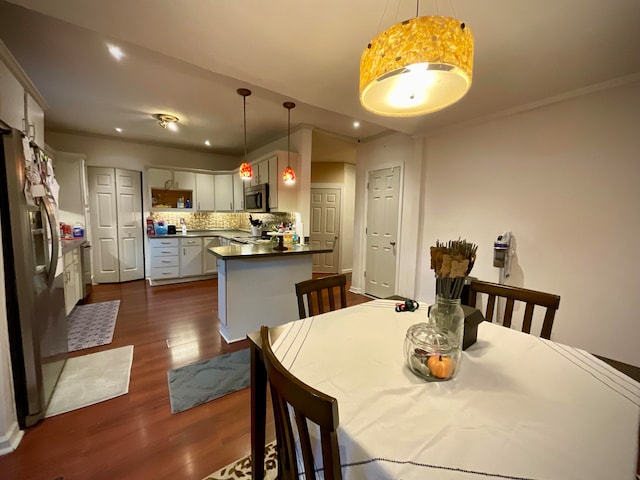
<point x="69" y="245"/>
<point x="235" y="252"/>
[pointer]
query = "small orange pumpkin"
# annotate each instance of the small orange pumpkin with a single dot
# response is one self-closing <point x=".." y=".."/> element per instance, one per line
<point x="440" y="367"/>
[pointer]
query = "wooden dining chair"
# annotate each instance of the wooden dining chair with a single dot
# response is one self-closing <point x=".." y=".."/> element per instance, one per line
<point x="293" y="398"/>
<point x="531" y="298"/>
<point x="313" y="290"/>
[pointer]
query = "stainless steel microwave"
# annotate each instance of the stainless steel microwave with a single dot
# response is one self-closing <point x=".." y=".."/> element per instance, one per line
<point x="256" y="198"/>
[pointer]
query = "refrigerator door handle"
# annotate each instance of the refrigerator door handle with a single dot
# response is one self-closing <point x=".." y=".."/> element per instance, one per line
<point x="55" y="240"/>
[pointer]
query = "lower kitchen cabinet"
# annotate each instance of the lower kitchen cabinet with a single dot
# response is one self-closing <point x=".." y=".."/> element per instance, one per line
<point x="72" y="279"/>
<point x="165" y="262"/>
<point x="209" y="261"/>
<point x="190" y="257"/>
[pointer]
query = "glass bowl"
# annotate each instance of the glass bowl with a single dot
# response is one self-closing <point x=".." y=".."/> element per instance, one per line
<point x="431" y="353"/>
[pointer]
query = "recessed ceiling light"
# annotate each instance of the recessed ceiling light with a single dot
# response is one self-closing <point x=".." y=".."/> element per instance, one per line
<point x="115" y="52"/>
<point x="356" y="124"/>
<point x="118" y="129"/>
<point x="207" y="143"/>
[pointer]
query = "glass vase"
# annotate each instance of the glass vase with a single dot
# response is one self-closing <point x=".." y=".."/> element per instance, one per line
<point x="433" y="349"/>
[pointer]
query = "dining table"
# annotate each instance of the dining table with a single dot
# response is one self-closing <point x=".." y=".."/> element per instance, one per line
<point x="520" y="407"/>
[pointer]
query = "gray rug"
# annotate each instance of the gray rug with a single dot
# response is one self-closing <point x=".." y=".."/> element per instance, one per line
<point x="92" y="325"/>
<point x="207" y="380"/>
<point x="90" y="379"/>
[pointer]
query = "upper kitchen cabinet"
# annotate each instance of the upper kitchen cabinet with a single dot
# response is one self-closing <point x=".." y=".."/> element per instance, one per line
<point x="260" y="172"/>
<point x="223" y="191"/>
<point x="205" y="199"/>
<point x="21" y="105"/>
<point x="158" y="178"/>
<point x="184" y="180"/>
<point x="172" y="189"/>
<point x="238" y="192"/>
<point x="282" y="197"/>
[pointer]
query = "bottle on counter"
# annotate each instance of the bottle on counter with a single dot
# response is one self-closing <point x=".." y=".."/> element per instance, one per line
<point x="78" y="230"/>
<point x="151" y="230"/>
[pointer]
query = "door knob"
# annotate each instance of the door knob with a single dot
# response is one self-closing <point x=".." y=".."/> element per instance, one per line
<point x="393" y="244"/>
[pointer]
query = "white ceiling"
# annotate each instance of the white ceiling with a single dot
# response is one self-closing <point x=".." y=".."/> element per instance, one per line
<point x="188" y="58"/>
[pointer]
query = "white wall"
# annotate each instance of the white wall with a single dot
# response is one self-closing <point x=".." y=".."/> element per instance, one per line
<point x="104" y="152"/>
<point x="348" y="217"/>
<point x="10" y="433"/>
<point x="564" y="179"/>
<point x="388" y="151"/>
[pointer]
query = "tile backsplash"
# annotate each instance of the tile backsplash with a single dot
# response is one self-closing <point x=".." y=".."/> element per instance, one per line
<point x="214" y="220"/>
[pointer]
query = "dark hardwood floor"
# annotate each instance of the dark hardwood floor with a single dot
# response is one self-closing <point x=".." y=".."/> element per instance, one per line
<point x="135" y="436"/>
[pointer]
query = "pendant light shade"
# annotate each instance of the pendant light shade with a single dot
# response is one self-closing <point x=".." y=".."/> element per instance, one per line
<point x="289" y="175"/>
<point x="246" y="172"/>
<point x="416" y="67"/>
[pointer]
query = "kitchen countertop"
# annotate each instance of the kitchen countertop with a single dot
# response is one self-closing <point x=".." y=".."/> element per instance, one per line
<point x="69" y="245"/>
<point x="226" y="233"/>
<point x="235" y="252"/>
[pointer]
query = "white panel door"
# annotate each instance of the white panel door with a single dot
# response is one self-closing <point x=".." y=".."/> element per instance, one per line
<point x="129" y="212"/>
<point x="382" y="229"/>
<point x="325" y="228"/>
<point x="104" y="225"/>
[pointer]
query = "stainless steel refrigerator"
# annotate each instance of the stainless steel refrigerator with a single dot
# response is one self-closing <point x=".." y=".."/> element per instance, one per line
<point x="34" y="293"/>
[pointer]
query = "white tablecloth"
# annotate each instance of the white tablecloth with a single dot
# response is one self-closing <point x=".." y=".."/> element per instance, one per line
<point x="520" y="407"/>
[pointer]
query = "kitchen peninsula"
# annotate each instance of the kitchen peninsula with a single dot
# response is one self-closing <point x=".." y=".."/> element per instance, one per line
<point x="256" y="285"/>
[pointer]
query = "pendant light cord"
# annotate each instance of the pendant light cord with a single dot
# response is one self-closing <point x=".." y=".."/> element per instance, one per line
<point x="289" y="139"/>
<point x="244" y="110"/>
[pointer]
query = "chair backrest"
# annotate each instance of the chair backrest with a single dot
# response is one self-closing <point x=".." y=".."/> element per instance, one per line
<point x="512" y="295"/>
<point x="313" y="290"/>
<point x="292" y="397"/>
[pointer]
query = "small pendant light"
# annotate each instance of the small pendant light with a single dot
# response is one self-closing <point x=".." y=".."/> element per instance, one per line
<point x="246" y="172"/>
<point x="288" y="175"/>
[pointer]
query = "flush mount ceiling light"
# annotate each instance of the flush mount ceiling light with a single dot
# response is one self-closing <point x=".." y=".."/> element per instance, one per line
<point x="289" y="175"/>
<point x="167" y="121"/>
<point x="416" y="67"/>
<point x="246" y="172"/>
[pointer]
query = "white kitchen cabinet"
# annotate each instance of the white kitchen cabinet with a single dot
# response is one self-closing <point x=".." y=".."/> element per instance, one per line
<point x="34" y="121"/>
<point x="205" y="199"/>
<point x="238" y="193"/>
<point x="283" y="197"/>
<point x="158" y="178"/>
<point x="165" y="262"/>
<point x="72" y="279"/>
<point x="190" y="257"/>
<point x="223" y="192"/>
<point x="184" y="180"/>
<point x="11" y="98"/>
<point x="21" y="105"/>
<point x="260" y="172"/>
<point x="209" y="265"/>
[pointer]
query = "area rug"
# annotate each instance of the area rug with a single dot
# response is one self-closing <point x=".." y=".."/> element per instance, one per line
<point x="92" y="325"/>
<point x="90" y="379"/>
<point x="242" y="468"/>
<point x="207" y="380"/>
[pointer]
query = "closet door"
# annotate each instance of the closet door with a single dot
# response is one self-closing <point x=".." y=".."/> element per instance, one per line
<point x="116" y="224"/>
<point x="104" y="225"/>
<point x="129" y="211"/>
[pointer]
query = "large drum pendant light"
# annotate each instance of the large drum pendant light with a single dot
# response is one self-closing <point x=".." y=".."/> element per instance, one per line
<point x="289" y="175"/>
<point x="416" y="67"/>
<point x="246" y="172"/>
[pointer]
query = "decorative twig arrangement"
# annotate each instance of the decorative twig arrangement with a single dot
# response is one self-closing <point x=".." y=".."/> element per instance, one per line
<point x="452" y="262"/>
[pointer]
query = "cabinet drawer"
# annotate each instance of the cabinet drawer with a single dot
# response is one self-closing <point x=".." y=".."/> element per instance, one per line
<point x="163" y="242"/>
<point x="164" y="272"/>
<point x="190" y="242"/>
<point x="164" y="262"/>
<point x="164" y="252"/>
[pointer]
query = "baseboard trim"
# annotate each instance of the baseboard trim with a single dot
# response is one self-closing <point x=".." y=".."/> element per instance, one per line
<point x="355" y="290"/>
<point x="10" y="441"/>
